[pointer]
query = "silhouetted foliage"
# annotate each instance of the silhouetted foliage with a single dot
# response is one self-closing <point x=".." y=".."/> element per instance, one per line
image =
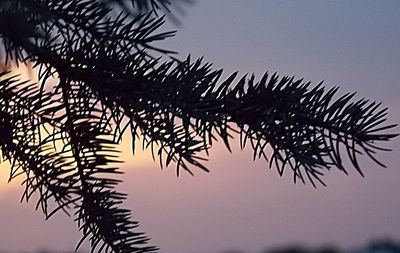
<point x="111" y="80"/>
<point x="384" y="244"/>
<point x="300" y="249"/>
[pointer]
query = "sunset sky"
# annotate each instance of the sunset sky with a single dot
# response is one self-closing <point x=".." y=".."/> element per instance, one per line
<point x="241" y="204"/>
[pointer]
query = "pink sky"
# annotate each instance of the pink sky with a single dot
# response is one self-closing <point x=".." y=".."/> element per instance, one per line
<point x="241" y="204"/>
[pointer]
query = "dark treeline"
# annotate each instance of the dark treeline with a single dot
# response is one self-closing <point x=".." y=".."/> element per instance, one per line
<point x="374" y="246"/>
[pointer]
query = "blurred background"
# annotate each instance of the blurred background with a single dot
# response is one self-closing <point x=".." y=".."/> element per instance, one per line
<point x="243" y="206"/>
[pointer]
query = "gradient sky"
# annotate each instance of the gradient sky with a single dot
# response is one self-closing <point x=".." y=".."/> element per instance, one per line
<point x="242" y="204"/>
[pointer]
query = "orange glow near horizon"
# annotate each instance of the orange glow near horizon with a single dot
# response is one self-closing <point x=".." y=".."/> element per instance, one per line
<point x="4" y="175"/>
<point x="140" y="158"/>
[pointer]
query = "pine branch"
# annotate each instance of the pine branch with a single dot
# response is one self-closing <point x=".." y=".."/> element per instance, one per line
<point x="71" y="175"/>
<point x="304" y="127"/>
<point x="285" y="113"/>
<point x="111" y="80"/>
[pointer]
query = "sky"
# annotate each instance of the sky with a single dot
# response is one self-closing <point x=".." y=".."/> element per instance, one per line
<point x="241" y="204"/>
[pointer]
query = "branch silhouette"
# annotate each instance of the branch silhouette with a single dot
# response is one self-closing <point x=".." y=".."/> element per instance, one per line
<point x="111" y="81"/>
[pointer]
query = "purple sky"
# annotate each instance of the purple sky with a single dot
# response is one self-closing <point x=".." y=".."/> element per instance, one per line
<point x="241" y="204"/>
